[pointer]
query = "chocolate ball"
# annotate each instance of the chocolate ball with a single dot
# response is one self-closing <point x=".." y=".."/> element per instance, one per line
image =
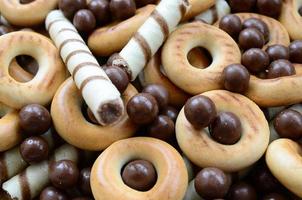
<point x="51" y="193"/>
<point x="63" y="174"/>
<point x="250" y="38"/>
<point x="200" y="111"/>
<point x="295" y="51"/>
<point x="236" y="78"/>
<point x="211" y="183"/>
<point x="270" y="8"/>
<point x="34" y="149"/>
<point x="142" y="108"/>
<point x="170" y="112"/>
<point x="259" y="25"/>
<point x="70" y="7"/>
<point x="122" y="9"/>
<point x="84" y="181"/>
<point x="277" y="51"/>
<point x="226" y="128"/>
<point x="5" y="29"/>
<point x="263" y="180"/>
<point x="139" y="175"/>
<point x="101" y="10"/>
<point x="242" y="5"/>
<point x="84" y="21"/>
<point x="162" y="128"/>
<point x="118" y="77"/>
<point x="34" y="119"/>
<point x="288" y="124"/>
<point x="274" y="196"/>
<point x="160" y="93"/>
<point x="255" y="60"/>
<point x="280" y="68"/>
<point x="231" y="24"/>
<point x="141" y="3"/>
<point x="242" y="191"/>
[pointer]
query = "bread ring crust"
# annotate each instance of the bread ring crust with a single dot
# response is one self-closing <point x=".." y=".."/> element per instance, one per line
<point x="284" y="159"/>
<point x="75" y="129"/>
<point x="29" y="14"/>
<point x="198" y="146"/>
<point x="172" y="177"/>
<point x="222" y="47"/>
<point x="50" y="75"/>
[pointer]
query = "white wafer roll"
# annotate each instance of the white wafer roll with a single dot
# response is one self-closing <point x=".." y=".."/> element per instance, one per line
<point x="101" y="96"/>
<point x="210" y="16"/>
<point x="12" y="163"/>
<point x="34" y="179"/>
<point x="151" y="35"/>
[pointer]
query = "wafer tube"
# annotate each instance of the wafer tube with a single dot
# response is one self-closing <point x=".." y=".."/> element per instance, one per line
<point x="150" y="36"/>
<point x="101" y="96"/>
<point x="29" y="183"/>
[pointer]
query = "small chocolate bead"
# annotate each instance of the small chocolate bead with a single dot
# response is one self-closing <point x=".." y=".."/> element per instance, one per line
<point x="118" y="77"/>
<point x="280" y="68"/>
<point x="63" y="174"/>
<point x="255" y="60"/>
<point x="34" y="119"/>
<point x="51" y="193"/>
<point x="270" y="8"/>
<point x="160" y="93"/>
<point x="274" y="196"/>
<point x="200" y="111"/>
<point x="242" y="5"/>
<point x="263" y="180"/>
<point x="28" y="63"/>
<point x="122" y="9"/>
<point x="288" y="124"/>
<point x="84" y="181"/>
<point x="242" y="191"/>
<point x="231" y="24"/>
<point x="250" y="38"/>
<point x="162" y="128"/>
<point x="26" y="1"/>
<point x="259" y="25"/>
<point x="226" y="128"/>
<point x="295" y="51"/>
<point x="84" y="20"/>
<point x="277" y="51"/>
<point x="139" y="175"/>
<point x="100" y="9"/>
<point x="170" y="112"/>
<point x="5" y="29"/>
<point x="34" y="149"/>
<point x="70" y="7"/>
<point x="141" y="3"/>
<point x="142" y="108"/>
<point x="236" y="78"/>
<point x="211" y="183"/>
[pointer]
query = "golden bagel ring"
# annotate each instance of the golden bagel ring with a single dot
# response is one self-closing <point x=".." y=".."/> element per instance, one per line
<point x="222" y="47"/>
<point x="30" y="14"/>
<point x="291" y="18"/>
<point x="50" y="75"/>
<point x="203" y="151"/>
<point x="284" y="159"/>
<point x="75" y="129"/>
<point x="172" y="178"/>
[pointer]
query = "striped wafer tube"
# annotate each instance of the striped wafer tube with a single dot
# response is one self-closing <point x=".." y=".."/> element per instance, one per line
<point x="210" y="16"/>
<point x="29" y="183"/>
<point x="12" y="163"/>
<point x="150" y="36"/>
<point x="101" y="96"/>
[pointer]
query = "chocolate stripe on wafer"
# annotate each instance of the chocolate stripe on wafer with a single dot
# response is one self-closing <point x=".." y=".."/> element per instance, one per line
<point x="162" y="23"/>
<point x="25" y="190"/>
<point x="84" y="68"/>
<point x="3" y="169"/>
<point x="143" y="45"/>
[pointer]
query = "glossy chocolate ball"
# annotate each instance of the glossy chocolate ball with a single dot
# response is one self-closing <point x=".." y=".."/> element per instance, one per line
<point x="70" y="7"/>
<point x="84" y="21"/>
<point x="122" y="9"/>
<point x="200" y="111"/>
<point x="277" y="51"/>
<point x="274" y="196"/>
<point x="51" y="193"/>
<point x="250" y="38"/>
<point x="139" y="175"/>
<point x="242" y="5"/>
<point x="170" y="112"/>
<point x="142" y="108"/>
<point x="288" y="124"/>
<point x="231" y="24"/>
<point x="263" y="179"/>
<point x="160" y="93"/>
<point x="280" y="68"/>
<point x="141" y="3"/>
<point x="118" y="77"/>
<point x="242" y="191"/>
<point x="63" y="174"/>
<point x="259" y="25"/>
<point x="34" y="149"/>
<point x="162" y="128"/>
<point x="100" y="9"/>
<point x="271" y="8"/>
<point x="5" y="29"/>
<point x="236" y="78"/>
<point x="211" y="183"/>
<point x="295" y="51"/>
<point x="255" y="60"/>
<point x="34" y="119"/>
<point x="84" y="181"/>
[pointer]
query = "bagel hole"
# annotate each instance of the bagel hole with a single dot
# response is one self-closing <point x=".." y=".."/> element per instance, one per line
<point x="88" y="115"/>
<point x="23" y="68"/>
<point x="200" y="57"/>
<point x="300" y="10"/>
<point x="25" y="1"/>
